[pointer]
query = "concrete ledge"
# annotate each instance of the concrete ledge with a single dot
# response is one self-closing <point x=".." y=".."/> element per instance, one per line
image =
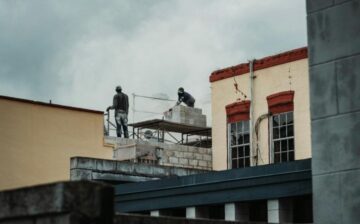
<point x="83" y="168"/>
<point x="63" y="202"/>
<point x="142" y="219"/>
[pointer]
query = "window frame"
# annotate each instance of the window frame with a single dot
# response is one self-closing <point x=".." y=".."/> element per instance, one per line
<point x="237" y="146"/>
<point x="287" y="138"/>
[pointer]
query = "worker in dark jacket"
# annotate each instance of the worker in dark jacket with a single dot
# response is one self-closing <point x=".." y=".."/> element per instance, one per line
<point x="185" y="98"/>
<point x="121" y="107"/>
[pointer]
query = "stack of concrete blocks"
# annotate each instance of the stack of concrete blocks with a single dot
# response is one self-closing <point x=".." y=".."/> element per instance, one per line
<point x="164" y="154"/>
<point x="186" y="115"/>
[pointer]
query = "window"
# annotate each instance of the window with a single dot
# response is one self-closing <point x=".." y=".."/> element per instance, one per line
<point x="239" y="144"/>
<point x="282" y="133"/>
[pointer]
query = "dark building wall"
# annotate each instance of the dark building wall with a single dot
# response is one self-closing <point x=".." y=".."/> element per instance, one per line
<point x="64" y="202"/>
<point x="334" y="59"/>
<point x="139" y="219"/>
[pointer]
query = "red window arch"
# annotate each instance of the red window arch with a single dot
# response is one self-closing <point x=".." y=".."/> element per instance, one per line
<point x="281" y="102"/>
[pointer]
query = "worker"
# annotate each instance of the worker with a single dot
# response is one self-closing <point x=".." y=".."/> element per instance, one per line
<point x="185" y="98"/>
<point x="121" y="107"/>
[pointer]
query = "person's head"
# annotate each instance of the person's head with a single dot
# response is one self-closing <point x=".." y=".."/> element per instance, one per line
<point x="118" y="89"/>
<point x="181" y="90"/>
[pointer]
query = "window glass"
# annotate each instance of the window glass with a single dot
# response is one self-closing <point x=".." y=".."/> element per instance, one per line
<point x="239" y="144"/>
<point x="283" y="137"/>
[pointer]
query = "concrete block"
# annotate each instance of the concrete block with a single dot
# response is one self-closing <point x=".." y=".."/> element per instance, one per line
<point x="189" y="155"/>
<point x="348" y="76"/>
<point x="350" y="196"/>
<point x="333" y="33"/>
<point x="184" y="161"/>
<point x="335" y="143"/>
<point x="125" y="152"/>
<point x="207" y="157"/>
<point x="124" y="167"/>
<point x="173" y="160"/>
<point x="105" y="165"/>
<point x="198" y="156"/>
<point x="179" y="154"/>
<point x="143" y="169"/>
<point x="82" y="163"/>
<point x="186" y="115"/>
<point x="312" y="5"/>
<point x="202" y="163"/>
<point x="80" y="174"/>
<point x="326" y="201"/>
<point x="323" y="90"/>
<point x="193" y="162"/>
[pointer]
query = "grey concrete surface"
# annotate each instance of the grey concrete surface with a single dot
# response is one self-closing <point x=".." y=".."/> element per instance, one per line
<point x="83" y="168"/>
<point x="335" y="143"/>
<point x="324" y="97"/>
<point x="333" y="32"/>
<point x="63" y="202"/>
<point x="348" y="78"/>
<point x="334" y="56"/>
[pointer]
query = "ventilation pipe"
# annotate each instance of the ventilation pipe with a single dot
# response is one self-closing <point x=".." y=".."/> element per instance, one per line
<point x="252" y="117"/>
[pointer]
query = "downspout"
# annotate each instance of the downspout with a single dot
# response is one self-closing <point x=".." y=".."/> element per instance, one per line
<point x="252" y="117"/>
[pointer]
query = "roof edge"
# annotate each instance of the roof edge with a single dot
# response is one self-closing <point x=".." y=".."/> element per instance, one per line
<point x="266" y="62"/>
<point x="50" y="105"/>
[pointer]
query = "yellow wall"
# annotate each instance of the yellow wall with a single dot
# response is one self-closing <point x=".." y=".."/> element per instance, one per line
<point x="37" y="141"/>
<point x="268" y="81"/>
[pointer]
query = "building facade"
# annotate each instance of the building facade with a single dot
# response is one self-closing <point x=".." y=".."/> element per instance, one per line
<point x="266" y="100"/>
<point x="38" y="139"/>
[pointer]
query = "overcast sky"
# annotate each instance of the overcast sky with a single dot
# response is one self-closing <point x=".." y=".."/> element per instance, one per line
<point x="76" y="52"/>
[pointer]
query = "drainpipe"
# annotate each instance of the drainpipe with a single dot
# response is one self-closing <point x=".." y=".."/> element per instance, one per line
<point x="252" y="117"/>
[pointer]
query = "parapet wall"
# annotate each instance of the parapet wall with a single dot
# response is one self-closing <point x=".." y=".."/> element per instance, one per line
<point x="82" y="168"/>
<point x="58" y="203"/>
<point x="163" y="154"/>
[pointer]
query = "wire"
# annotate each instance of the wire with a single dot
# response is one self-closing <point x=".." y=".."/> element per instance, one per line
<point x="154" y="98"/>
<point x="257" y="125"/>
<point x="147" y="112"/>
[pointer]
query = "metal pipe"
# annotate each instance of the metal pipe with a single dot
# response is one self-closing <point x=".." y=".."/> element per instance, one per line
<point x="252" y="117"/>
<point x="133" y="109"/>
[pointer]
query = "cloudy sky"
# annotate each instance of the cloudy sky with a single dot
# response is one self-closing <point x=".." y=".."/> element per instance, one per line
<point x="76" y="52"/>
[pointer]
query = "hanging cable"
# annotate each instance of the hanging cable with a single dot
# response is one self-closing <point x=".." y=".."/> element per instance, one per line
<point x="256" y="130"/>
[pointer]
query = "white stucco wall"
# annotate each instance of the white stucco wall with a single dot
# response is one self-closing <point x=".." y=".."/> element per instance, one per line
<point x="268" y="81"/>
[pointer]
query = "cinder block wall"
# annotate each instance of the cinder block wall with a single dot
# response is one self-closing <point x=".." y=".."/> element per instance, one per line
<point x="167" y="154"/>
<point x="334" y="59"/>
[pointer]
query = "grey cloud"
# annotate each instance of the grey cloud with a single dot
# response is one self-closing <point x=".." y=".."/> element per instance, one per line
<point x="76" y="52"/>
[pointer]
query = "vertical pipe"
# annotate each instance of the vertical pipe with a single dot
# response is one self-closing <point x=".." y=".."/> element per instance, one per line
<point x="108" y="123"/>
<point x="252" y="117"/>
<point x="133" y="109"/>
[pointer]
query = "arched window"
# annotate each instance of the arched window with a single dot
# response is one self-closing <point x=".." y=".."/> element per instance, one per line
<point x="238" y="134"/>
<point x="281" y="108"/>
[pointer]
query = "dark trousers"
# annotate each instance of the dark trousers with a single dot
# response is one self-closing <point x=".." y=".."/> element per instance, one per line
<point x="121" y="124"/>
